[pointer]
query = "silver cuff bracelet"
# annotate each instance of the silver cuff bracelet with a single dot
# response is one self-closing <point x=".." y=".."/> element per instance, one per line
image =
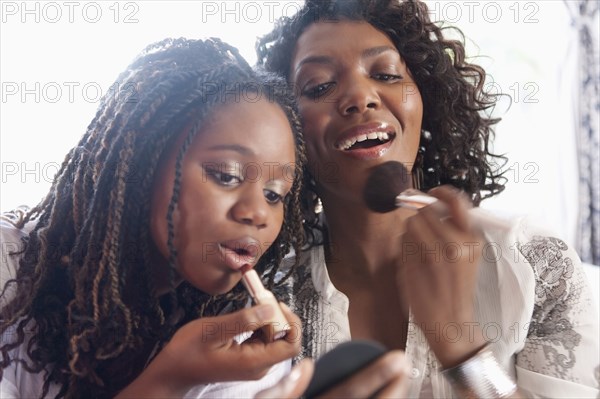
<point x="480" y="377"/>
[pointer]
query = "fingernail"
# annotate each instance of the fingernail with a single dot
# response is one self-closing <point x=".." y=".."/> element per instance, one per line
<point x="264" y="312"/>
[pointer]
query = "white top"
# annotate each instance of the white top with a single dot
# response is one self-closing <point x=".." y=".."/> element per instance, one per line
<point x="19" y="383"/>
<point x="533" y="303"/>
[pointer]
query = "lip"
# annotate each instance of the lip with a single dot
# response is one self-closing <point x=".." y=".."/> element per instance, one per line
<point x="355" y="132"/>
<point x="236" y="260"/>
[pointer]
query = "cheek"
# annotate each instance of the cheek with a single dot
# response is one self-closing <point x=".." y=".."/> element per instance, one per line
<point x="277" y="227"/>
<point x="314" y="124"/>
<point x="413" y="104"/>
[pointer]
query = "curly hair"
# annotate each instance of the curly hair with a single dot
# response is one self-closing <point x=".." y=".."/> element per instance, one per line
<point x="457" y="126"/>
<point x="91" y="235"/>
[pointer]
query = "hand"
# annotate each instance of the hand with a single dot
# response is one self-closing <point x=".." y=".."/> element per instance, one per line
<point x="441" y="253"/>
<point x="387" y="377"/>
<point x="204" y="351"/>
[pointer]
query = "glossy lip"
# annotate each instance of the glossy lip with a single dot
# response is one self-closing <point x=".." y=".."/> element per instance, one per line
<point x="233" y="259"/>
<point x="366" y="153"/>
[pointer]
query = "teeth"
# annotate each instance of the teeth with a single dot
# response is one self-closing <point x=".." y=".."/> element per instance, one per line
<point x="347" y="144"/>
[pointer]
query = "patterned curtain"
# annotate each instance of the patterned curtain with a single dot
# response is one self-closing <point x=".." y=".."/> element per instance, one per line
<point x="584" y="17"/>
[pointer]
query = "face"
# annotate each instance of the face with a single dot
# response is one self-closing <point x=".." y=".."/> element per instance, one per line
<point x="359" y="104"/>
<point x="235" y="176"/>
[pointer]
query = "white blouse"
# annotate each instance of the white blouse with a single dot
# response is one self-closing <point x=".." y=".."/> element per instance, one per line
<point x="533" y="304"/>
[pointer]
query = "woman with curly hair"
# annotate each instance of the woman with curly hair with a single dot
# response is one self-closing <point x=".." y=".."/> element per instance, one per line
<point x="480" y="312"/>
<point x="124" y="279"/>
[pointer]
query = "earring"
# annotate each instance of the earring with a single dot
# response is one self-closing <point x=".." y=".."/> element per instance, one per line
<point x="418" y="176"/>
<point x="417" y="170"/>
<point x="318" y="206"/>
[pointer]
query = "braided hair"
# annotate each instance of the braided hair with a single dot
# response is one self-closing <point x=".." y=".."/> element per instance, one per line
<point x="92" y="236"/>
<point x="457" y="128"/>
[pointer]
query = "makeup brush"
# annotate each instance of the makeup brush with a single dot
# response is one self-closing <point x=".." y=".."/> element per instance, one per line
<point x="389" y="187"/>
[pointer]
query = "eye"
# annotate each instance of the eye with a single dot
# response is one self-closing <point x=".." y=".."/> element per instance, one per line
<point x="318" y="90"/>
<point x="223" y="179"/>
<point x="272" y="197"/>
<point x="387" y="77"/>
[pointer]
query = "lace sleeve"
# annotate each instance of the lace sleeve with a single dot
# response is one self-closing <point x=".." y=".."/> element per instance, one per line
<point x="562" y="342"/>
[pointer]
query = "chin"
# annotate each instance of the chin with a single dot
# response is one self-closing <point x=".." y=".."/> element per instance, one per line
<point x="220" y="288"/>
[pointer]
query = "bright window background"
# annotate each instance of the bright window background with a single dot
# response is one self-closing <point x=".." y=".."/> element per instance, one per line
<point x="57" y="58"/>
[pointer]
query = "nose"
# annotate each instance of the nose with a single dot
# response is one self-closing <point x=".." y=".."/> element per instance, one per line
<point x="358" y="97"/>
<point x="251" y="208"/>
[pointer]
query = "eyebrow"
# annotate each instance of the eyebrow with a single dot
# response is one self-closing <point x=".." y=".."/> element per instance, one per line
<point x="245" y="151"/>
<point x="367" y="53"/>
<point x="232" y="147"/>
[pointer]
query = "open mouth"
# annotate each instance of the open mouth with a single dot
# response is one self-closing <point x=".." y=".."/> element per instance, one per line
<point x="236" y="253"/>
<point x="240" y="251"/>
<point x="365" y="141"/>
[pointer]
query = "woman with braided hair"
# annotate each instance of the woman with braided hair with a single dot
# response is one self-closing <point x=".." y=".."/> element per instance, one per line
<point x="479" y="311"/>
<point x="123" y="280"/>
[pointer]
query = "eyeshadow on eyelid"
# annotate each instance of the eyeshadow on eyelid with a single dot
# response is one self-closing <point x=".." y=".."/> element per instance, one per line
<point x="277" y="185"/>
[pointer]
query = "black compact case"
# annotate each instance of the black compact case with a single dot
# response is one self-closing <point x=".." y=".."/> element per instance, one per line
<point x="340" y="363"/>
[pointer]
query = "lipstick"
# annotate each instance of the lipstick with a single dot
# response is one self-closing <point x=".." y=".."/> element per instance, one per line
<point x="276" y="327"/>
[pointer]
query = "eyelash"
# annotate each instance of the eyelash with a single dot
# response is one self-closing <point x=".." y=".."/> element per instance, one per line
<point x="218" y="178"/>
<point x="316" y="92"/>
<point x="386" y="77"/>
<point x="271" y="196"/>
<point x="278" y="198"/>
<point x="323" y="88"/>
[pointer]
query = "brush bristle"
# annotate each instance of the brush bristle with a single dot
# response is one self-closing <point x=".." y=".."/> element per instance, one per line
<point x="384" y="184"/>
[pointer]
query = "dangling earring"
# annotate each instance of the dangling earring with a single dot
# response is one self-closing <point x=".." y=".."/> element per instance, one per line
<point x="418" y="178"/>
<point x="318" y="206"/>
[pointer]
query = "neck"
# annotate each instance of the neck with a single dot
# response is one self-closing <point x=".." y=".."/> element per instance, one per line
<point x="366" y="242"/>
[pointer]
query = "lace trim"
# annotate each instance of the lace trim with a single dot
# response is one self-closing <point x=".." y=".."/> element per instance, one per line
<point x="552" y="339"/>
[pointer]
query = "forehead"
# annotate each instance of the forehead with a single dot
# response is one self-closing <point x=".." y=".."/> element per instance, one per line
<point x="259" y="125"/>
<point x="329" y="37"/>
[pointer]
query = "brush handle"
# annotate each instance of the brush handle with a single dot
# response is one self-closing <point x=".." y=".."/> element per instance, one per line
<point x="478" y="216"/>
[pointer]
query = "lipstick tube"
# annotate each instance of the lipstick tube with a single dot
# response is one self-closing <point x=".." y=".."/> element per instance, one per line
<point x="276" y="327"/>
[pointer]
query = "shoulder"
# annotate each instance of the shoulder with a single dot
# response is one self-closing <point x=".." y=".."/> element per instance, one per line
<point x="11" y="239"/>
<point x="531" y="245"/>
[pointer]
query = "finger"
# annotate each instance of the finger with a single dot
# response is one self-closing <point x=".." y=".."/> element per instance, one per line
<point x="295" y="332"/>
<point x="442" y="229"/>
<point x="377" y="376"/>
<point x="398" y="388"/>
<point x="422" y="239"/>
<point x="262" y="356"/>
<point x="267" y="352"/>
<point x="293" y="325"/>
<point x="224" y="328"/>
<point x="292" y="385"/>
<point x="457" y="204"/>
